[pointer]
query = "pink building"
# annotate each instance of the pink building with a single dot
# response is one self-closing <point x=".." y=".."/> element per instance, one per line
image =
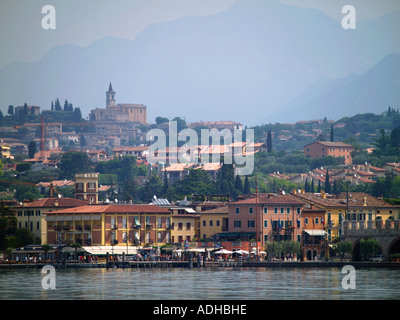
<point x="274" y="217"/>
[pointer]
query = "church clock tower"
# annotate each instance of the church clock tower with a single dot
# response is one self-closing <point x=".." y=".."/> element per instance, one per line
<point x="110" y="97"/>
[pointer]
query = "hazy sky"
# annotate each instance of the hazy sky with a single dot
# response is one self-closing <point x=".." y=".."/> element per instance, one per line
<point x="82" y="22"/>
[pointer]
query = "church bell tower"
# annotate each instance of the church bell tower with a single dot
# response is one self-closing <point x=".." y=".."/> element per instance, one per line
<point x="110" y="97"/>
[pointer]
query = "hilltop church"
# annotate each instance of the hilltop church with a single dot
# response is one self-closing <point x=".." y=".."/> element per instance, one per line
<point x="122" y="112"/>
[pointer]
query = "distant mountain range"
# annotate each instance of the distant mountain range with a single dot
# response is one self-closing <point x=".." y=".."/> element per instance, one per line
<point x="258" y="62"/>
<point x="373" y="92"/>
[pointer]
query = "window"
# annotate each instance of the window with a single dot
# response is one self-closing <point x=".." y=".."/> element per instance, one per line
<point x="288" y="210"/>
<point x="124" y="237"/>
<point x="218" y="223"/>
<point x="275" y="210"/>
<point x="188" y="226"/>
<point x="282" y="210"/>
<point x="159" y="223"/>
<point x="265" y="210"/>
<point x="305" y="220"/>
<point x="298" y="210"/>
<point x="265" y="223"/>
<point x="204" y="223"/>
<point x="316" y="220"/>
<point x="124" y="223"/>
<point x="237" y="210"/>
<point x="250" y="223"/>
<point x="180" y="226"/>
<point x="251" y="210"/>
<point x="237" y="224"/>
<point x="211" y="223"/>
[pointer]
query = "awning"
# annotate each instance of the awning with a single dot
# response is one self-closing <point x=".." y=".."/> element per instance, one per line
<point x="316" y="232"/>
<point x="190" y="210"/>
<point x="102" y="250"/>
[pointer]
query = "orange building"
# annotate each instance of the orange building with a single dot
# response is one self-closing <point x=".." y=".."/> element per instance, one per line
<point x="321" y="149"/>
<point x="312" y="240"/>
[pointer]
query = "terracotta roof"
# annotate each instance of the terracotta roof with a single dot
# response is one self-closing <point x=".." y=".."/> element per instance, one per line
<point x="51" y="202"/>
<point x="219" y="210"/>
<point x="264" y="199"/>
<point x="115" y="208"/>
<point x="356" y="199"/>
<point x="332" y="144"/>
<point x="56" y="183"/>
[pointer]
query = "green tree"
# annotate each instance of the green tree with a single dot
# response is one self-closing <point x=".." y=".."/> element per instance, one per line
<point x="8" y="223"/>
<point x="10" y="110"/>
<point x="269" y="141"/>
<point x="226" y="179"/>
<point x="246" y="187"/>
<point x="26" y="192"/>
<point x="327" y="183"/>
<point x="197" y="181"/>
<point x="160" y="120"/>
<point x="238" y="185"/>
<point x="369" y="248"/>
<point x="343" y="247"/>
<point x="32" y="149"/>
<point x="74" y="162"/>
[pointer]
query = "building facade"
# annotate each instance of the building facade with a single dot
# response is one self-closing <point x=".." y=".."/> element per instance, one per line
<point x="87" y="187"/>
<point x="123" y="112"/>
<point x="110" y="225"/>
<point x="356" y="206"/>
<point x="274" y="217"/>
<point x="321" y="149"/>
<point x="32" y="215"/>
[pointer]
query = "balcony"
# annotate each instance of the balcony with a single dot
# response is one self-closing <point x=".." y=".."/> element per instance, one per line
<point x="88" y="227"/>
<point x="78" y="227"/>
<point x="57" y="228"/>
<point x="66" y="228"/>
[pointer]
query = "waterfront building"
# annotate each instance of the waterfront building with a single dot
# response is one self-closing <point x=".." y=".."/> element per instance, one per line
<point x="185" y="224"/>
<point x="354" y="206"/>
<point x="32" y="215"/>
<point x="313" y="239"/>
<point x="274" y="217"/>
<point x="115" y="225"/>
<point x="213" y="222"/>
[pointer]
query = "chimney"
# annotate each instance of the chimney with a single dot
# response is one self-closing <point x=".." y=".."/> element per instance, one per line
<point x="365" y="201"/>
<point x="56" y="202"/>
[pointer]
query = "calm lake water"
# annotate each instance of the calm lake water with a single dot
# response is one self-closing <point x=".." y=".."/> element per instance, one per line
<point x="205" y="284"/>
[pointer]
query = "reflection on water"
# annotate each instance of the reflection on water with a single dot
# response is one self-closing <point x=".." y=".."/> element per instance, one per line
<point x="206" y="284"/>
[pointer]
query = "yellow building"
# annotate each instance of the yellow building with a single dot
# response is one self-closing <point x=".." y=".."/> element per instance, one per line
<point x="185" y="224"/>
<point x="5" y="151"/>
<point x="32" y="215"/>
<point x="114" y="225"/>
<point x="359" y="207"/>
<point x="213" y="221"/>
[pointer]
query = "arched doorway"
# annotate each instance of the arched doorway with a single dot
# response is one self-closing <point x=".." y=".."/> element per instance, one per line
<point x="358" y="255"/>
<point x="394" y="246"/>
<point x="309" y="256"/>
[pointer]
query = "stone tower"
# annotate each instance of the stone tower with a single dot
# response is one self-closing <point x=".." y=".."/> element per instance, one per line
<point x="110" y="97"/>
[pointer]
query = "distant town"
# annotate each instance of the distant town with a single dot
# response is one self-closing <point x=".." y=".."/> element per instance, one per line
<point x="319" y="190"/>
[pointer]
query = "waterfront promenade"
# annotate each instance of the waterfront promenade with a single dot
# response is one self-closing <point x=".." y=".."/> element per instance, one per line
<point x="209" y="264"/>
